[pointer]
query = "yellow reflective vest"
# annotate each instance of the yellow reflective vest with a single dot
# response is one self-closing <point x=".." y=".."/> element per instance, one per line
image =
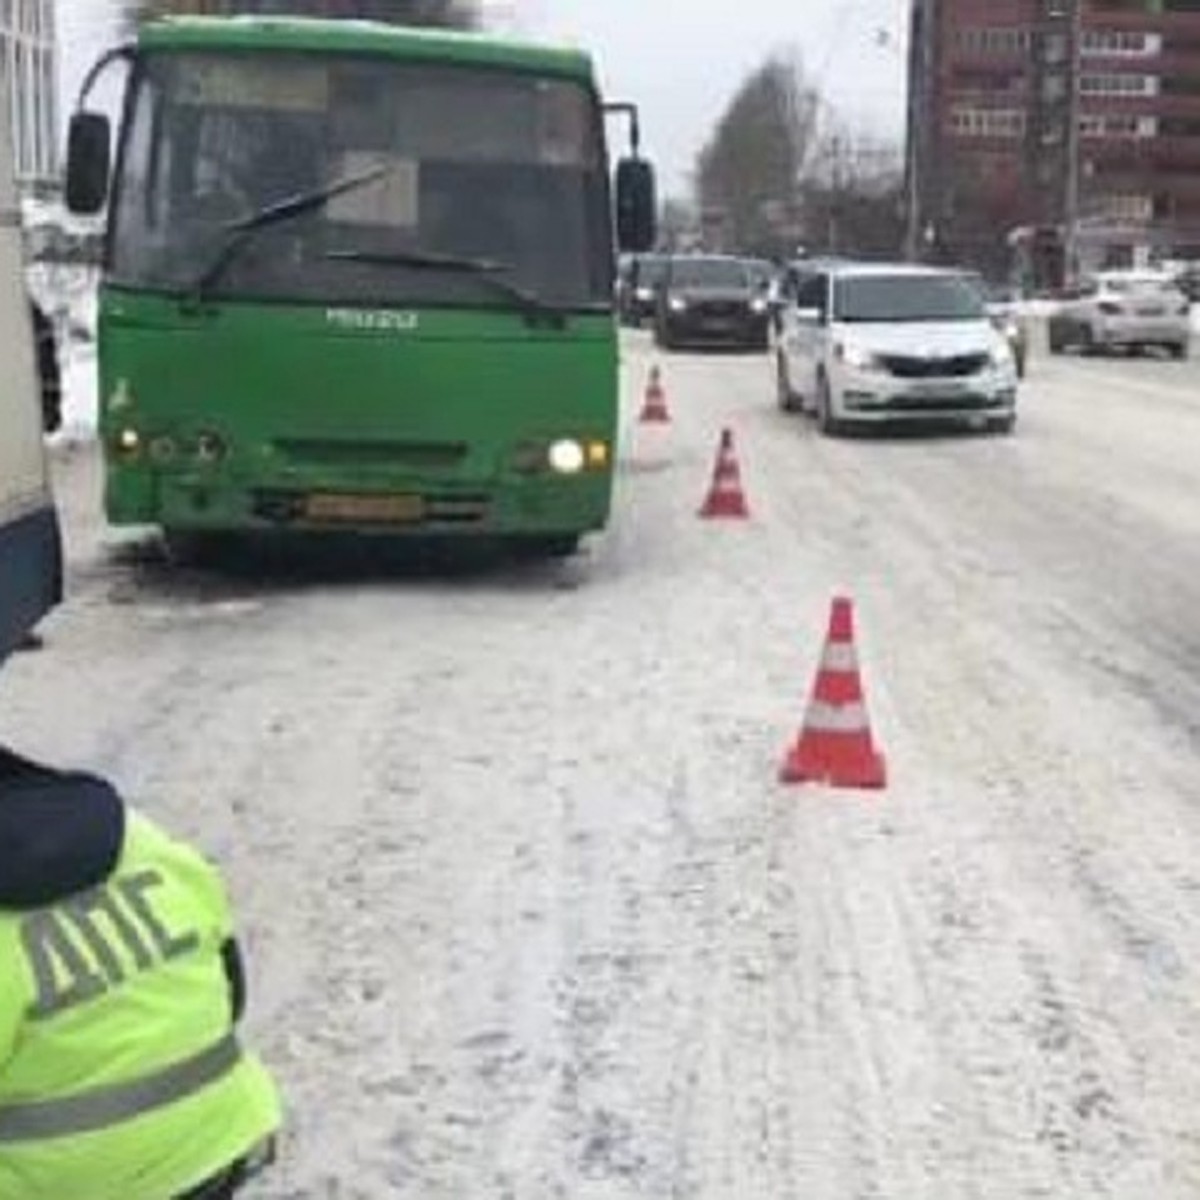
<point x="121" y="1076"/>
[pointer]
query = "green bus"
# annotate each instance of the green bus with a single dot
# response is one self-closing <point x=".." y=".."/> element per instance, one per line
<point x="358" y="277"/>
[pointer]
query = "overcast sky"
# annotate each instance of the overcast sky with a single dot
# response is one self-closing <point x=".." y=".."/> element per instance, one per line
<point x="680" y="59"/>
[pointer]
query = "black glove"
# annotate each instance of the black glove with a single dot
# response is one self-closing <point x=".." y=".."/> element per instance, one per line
<point x="235" y="973"/>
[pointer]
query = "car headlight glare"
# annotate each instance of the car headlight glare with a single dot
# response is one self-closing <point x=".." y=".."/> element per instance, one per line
<point x="758" y="305"/>
<point x="677" y="304"/>
<point x="567" y="457"/>
<point x="1001" y="356"/>
<point x="857" y="358"/>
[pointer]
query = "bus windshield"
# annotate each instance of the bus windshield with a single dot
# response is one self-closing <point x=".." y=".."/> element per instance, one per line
<point x="501" y="168"/>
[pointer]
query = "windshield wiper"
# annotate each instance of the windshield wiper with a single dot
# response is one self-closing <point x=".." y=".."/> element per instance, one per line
<point x="241" y="229"/>
<point x="485" y="269"/>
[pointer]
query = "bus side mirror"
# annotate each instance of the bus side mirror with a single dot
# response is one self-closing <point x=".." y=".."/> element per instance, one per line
<point x="89" y="163"/>
<point x="637" y="206"/>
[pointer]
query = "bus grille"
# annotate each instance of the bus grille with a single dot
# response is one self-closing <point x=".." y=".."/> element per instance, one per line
<point x="905" y="366"/>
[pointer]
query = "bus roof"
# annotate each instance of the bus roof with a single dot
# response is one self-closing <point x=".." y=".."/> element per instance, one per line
<point x="361" y="37"/>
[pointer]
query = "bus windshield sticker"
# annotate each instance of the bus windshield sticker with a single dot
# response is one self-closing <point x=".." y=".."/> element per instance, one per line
<point x="392" y="201"/>
<point x="206" y="82"/>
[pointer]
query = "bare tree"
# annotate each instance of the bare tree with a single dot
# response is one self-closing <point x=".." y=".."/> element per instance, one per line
<point x="677" y="224"/>
<point x="449" y="14"/>
<point x="782" y="168"/>
<point x="853" y="194"/>
<point x="750" y="170"/>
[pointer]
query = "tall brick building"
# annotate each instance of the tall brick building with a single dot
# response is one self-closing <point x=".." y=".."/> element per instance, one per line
<point x="1023" y="112"/>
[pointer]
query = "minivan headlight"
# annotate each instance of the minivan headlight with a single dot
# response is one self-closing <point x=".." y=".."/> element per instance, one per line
<point x="857" y="358"/>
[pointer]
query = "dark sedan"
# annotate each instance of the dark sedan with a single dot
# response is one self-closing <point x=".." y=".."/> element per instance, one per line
<point x="711" y="301"/>
<point x="638" y="282"/>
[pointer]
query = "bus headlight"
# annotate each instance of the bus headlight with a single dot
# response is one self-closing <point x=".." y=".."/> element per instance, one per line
<point x="598" y="455"/>
<point x="567" y="457"/>
<point x="129" y="443"/>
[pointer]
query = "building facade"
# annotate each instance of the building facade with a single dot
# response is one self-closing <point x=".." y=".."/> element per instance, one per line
<point x="28" y="69"/>
<point x="1066" y="129"/>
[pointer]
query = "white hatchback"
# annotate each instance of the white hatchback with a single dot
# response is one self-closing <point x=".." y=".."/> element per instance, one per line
<point x="869" y="344"/>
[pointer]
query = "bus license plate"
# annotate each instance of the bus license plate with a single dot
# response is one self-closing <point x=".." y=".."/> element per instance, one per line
<point x="373" y="510"/>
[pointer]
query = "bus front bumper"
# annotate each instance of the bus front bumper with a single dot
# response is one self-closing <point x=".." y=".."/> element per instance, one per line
<point x="216" y="502"/>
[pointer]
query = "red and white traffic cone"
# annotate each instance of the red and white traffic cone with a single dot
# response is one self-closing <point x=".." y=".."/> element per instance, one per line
<point x="835" y="746"/>
<point x="654" y="406"/>
<point x="726" y="500"/>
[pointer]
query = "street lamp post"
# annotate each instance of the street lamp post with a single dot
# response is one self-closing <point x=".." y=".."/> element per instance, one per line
<point x="1071" y="204"/>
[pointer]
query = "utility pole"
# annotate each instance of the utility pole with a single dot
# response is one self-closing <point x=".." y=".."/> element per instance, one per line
<point x="1071" y="204"/>
<point x="836" y="194"/>
<point x="920" y="81"/>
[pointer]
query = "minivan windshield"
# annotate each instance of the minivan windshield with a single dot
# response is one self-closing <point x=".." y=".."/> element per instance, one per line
<point x="884" y="298"/>
<point x="504" y="167"/>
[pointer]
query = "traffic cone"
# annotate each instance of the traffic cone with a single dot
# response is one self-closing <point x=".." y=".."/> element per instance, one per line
<point x="835" y="746"/>
<point x="725" y="497"/>
<point x="654" y="407"/>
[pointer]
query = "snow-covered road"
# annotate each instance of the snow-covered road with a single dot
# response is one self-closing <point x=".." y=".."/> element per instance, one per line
<point x="529" y="916"/>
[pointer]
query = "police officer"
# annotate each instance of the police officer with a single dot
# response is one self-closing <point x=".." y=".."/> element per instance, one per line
<point x="122" y="1075"/>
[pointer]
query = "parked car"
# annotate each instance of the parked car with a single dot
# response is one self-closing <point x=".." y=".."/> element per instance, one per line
<point x="638" y="280"/>
<point x="869" y="344"/>
<point x="1188" y="282"/>
<point x="1128" y="310"/>
<point x="711" y="300"/>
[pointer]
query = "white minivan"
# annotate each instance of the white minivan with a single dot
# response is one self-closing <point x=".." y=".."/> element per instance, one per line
<point x="30" y="557"/>
<point x="873" y="343"/>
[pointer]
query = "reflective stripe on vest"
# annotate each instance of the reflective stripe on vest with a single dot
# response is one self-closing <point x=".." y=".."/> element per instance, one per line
<point x="108" y="1106"/>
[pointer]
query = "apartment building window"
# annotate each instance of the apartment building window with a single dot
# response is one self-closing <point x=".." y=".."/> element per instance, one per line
<point x="994" y="41"/>
<point x="1126" y="206"/>
<point x="988" y="79"/>
<point x="1118" y="83"/>
<point x="27" y="54"/>
<point x="1118" y="125"/>
<point x="1120" y="43"/>
<point x="988" y="122"/>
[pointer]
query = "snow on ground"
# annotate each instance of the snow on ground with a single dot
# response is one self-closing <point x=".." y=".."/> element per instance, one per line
<point x="528" y="915"/>
<point x="79" y="393"/>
